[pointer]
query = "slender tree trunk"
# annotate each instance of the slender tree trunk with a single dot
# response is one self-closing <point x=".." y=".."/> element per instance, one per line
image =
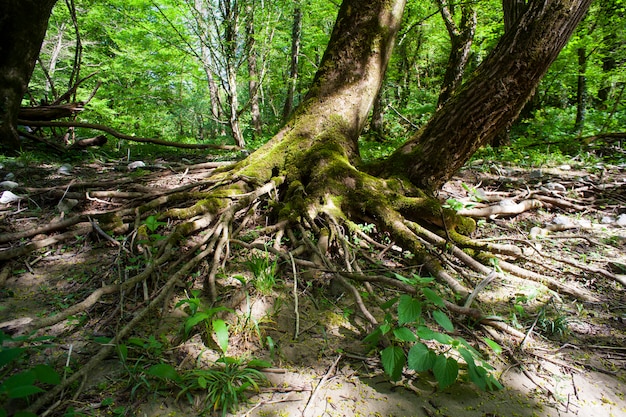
<point x="461" y="38"/>
<point x="230" y="20"/>
<point x="494" y="95"/>
<point x="253" y="73"/>
<point x="23" y="23"/>
<point x="581" y="91"/>
<point x="296" y="35"/>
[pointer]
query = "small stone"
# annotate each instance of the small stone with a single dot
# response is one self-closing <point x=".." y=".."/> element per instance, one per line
<point x="607" y="220"/>
<point x="66" y="205"/>
<point x="555" y="186"/>
<point x="137" y="164"/>
<point x="9" y="185"/>
<point x="65" y="169"/>
<point x="8" y="197"/>
<point x="562" y="220"/>
<point x="621" y="220"/>
<point x="565" y="167"/>
<point x="584" y="223"/>
<point x="9" y="177"/>
<point x="536" y="173"/>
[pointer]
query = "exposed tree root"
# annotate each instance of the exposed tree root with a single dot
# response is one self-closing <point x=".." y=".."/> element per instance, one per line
<point x="207" y="221"/>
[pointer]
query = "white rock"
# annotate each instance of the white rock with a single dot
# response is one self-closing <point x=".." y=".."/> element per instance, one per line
<point x="135" y="165"/>
<point x="9" y="185"/>
<point x="607" y="220"/>
<point x="67" y="204"/>
<point x="584" y="223"/>
<point x="621" y="220"/>
<point x="565" y="167"/>
<point x="65" y="169"/>
<point x="562" y="220"/>
<point x="555" y="186"/>
<point x="9" y="177"/>
<point x="8" y="197"/>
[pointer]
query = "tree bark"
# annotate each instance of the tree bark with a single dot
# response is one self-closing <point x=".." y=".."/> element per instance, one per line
<point x="494" y="95"/>
<point x="581" y="92"/>
<point x="461" y="38"/>
<point x="23" y="23"/>
<point x="253" y="73"/>
<point x="296" y="34"/>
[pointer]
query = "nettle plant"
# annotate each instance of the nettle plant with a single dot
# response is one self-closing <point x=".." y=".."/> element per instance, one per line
<point x="411" y="343"/>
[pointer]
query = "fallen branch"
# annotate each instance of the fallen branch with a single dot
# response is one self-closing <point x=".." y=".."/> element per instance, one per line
<point x="119" y="135"/>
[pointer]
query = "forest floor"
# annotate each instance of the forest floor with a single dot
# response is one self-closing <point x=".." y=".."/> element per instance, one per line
<point x="573" y="362"/>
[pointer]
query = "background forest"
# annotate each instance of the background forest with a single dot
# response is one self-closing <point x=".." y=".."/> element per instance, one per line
<point x="226" y="72"/>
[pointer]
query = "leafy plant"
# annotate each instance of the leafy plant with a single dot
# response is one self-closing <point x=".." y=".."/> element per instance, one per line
<point x="199" y="314"/>
<point x="19" y="383"/>
<point x="264" y="270"/>
<point x="223" y="386"/>
<point x="413" y="344"/>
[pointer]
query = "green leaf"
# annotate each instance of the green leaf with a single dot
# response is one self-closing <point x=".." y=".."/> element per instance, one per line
<point x="122" y="351"/>
<point x="409" y="310"/>
<point x="442" y="319"/>
<point x="446" y="370"/>
<point x="24" y="391"/>
<point x="202" y="382"/>
<point x="259" y="363"/>
<point x="404" y="334"/>
<point x="7" y="355"/>
<point x="493" y="345"/>
<point x="221" y="334"/>
<point x="385" y="328"/>
<point x="425" y="333"/>
<point x="393" y="360"/>
<point x="433" y="297"/>
<point x="387" y="305"/>
<point x="421" y="358"/>
<point x="443" y="338"/>
<point x="195" y="319"/>
<point x="374" y="337"/>
<point x="164" y="371"/>
<point x="47" y="374"/>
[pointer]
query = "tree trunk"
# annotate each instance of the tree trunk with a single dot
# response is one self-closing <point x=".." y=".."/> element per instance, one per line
<point x="253" y="73"/>
<point x="581" y="91"/>
<point x="494" y="95"/>
<point x="22" y="23"/>
<point x="461" y="38"/>
<point x="296" y="34"/>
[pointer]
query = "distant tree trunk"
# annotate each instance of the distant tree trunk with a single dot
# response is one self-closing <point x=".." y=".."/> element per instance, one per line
<point x="377" y="119"/>
<point x="202" y="18"/>
<point x="495" y="94"/>
<point x="461" y="38"/>
<point x="253" y="73"/>
<point x="513" y="11"/>
<point x="230" y="20"/>
<point x="296" y="35"/>
<point x="581" y="91"/>
<point x="23" y="23"/>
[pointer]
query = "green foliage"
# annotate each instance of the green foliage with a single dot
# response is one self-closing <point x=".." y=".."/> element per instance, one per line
<point x="222" y="387"/>
<point x="412" y="343"/>
<point x="264" y="270"/>
<point x="19" y="380"/>
<point x="199" y="315"/>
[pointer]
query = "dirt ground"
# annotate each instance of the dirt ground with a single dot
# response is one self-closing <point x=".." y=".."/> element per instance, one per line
<point x="576" y="368"/>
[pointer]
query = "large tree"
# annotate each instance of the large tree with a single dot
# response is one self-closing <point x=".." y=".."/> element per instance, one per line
<point x="23" y="26"/>
<point x="310" y="182"/>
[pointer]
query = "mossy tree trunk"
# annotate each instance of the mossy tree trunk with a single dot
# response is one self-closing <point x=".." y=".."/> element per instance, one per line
<point x="23" y="24"/>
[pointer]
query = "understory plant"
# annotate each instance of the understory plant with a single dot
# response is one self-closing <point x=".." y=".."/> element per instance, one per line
<point x="223" y="386"/>
<point x="411" y="343"/>
<point x="20" y="382"/>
